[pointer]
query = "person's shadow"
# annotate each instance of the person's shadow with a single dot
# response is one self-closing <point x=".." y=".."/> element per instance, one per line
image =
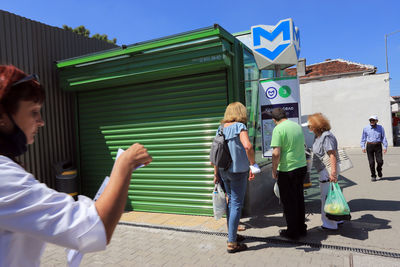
<point x="394" y="178"/>
<point x="263" y="221"/>
<point x="373" y="204"/>
<point x="360" y="228"/>
<point x="355" y="229"/>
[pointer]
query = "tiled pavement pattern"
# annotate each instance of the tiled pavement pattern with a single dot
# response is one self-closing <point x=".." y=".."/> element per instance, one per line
<point x="375" y="227"/>
<point x="137" y="246"/>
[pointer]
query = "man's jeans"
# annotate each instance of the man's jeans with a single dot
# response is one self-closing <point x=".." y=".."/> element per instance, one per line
<point x="235" y="186"/>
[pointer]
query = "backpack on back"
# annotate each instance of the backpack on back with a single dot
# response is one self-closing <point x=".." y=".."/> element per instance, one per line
<point x="219" y="153"/>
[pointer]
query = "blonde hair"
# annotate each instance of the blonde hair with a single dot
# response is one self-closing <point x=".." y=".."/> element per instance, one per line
<point x="235" y="112"/>
<point x="319" y="123"/>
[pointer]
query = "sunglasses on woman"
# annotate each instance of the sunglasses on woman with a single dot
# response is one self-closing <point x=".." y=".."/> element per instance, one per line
<point x="33" y="77"/>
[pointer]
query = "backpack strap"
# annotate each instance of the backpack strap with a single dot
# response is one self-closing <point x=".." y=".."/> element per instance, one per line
<point x="221" y="129"/>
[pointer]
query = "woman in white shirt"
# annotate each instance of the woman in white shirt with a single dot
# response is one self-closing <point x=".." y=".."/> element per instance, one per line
<point x="30" y="212"/>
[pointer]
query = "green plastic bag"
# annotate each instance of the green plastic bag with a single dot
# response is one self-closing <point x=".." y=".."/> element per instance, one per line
<point x="336" y="207"/>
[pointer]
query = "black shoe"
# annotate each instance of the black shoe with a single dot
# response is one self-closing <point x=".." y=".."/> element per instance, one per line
<point x="373" y="179"/>
<point x="380" y="174"/>
<point x="285" y="234"/>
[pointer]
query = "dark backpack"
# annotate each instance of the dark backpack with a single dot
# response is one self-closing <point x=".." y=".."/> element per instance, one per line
<point x="219" y="153"/>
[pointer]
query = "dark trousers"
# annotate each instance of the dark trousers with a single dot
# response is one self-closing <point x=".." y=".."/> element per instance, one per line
<point x="374" y="152"/>
<point x="292" y="198"/>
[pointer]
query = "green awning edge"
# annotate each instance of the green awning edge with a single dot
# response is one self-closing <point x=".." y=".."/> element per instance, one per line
<point x="135" y="48"/>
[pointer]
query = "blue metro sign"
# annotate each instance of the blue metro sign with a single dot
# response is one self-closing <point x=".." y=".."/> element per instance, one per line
<point x="279" y="44"/>
<point x="258" y="32"/>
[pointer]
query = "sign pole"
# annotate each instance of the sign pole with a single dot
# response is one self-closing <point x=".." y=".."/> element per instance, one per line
<point x="275" y="47"/>
<point x="277" y="71"/>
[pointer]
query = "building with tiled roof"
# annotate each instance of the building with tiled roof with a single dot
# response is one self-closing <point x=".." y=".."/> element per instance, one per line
<point x="330" y="69"/>
<point x="347" y="93"/>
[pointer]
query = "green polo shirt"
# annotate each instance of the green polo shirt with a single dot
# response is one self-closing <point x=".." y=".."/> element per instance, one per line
<point x="288" y="135"/>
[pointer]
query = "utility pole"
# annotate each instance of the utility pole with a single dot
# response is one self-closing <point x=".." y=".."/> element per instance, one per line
<point x="386" y="36"/>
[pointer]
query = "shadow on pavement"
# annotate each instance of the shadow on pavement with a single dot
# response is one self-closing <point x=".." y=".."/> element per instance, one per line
<point x="272" y="245"/>
<point x="262" y="221"/>
<point x="363" y="204"/>
<point x="359" y="228"/>
<point x="394" y="178"/>
<point x="356" y="229"/>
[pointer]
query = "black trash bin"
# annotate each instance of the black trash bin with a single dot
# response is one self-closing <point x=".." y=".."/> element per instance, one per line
<point x="66" y="178"/>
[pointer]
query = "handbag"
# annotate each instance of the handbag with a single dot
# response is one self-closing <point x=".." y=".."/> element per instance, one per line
<point x="343" y="161"/>
<point x="336" y="207"/>
<point x="219" y="201"/>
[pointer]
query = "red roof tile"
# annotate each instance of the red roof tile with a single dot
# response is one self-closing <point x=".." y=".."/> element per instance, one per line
<point x="332" y="67"/>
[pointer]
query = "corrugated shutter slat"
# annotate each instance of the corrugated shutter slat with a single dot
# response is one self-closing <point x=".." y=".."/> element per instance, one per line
<point x="175" y="119"/>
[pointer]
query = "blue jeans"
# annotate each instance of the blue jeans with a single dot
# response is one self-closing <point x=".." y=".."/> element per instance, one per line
<point x="235" y="186"/>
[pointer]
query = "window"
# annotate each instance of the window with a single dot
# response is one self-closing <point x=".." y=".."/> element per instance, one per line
<point x="251" y="76"/>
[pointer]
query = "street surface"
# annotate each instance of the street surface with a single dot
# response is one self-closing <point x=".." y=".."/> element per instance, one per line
<point x="371" y="238"/>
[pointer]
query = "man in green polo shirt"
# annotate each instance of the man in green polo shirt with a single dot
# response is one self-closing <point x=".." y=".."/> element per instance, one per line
<point x="289" y="167"/>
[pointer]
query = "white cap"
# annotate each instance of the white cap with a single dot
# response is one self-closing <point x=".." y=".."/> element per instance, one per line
<point x="374" y="117"/>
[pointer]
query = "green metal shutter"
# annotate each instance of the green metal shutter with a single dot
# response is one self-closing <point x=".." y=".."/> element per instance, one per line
<point x="175" y="119"/>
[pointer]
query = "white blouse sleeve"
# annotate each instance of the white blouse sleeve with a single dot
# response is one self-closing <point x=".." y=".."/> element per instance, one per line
<point x="31" y="208"/>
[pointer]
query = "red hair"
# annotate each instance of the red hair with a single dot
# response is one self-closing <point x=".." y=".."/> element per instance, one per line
<point x="319" y="123"/>
<point x="10" y="95"/>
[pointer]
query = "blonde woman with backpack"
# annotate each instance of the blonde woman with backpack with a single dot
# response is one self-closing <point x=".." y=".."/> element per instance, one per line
<point x="235" y="176"/>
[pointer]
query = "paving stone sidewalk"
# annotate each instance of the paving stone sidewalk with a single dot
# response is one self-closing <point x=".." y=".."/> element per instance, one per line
<point x="148" y="239"/>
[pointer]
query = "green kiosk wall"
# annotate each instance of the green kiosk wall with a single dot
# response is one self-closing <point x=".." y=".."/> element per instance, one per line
<point x="168" y="94"/>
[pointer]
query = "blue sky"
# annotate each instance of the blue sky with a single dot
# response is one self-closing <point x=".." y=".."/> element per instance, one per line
<point x="353" y="30"/>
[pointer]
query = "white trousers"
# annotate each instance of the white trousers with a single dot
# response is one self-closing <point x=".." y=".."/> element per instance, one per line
<point x="324" y="176"/>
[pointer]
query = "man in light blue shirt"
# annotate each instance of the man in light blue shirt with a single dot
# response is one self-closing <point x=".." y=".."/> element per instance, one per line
<point x="372" y="139"/>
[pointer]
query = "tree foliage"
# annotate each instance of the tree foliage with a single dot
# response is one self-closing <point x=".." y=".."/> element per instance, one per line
<point x="81" y="30"/>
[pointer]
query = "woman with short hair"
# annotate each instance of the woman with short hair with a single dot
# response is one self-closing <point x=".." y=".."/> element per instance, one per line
<point x="325" y="142"/>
